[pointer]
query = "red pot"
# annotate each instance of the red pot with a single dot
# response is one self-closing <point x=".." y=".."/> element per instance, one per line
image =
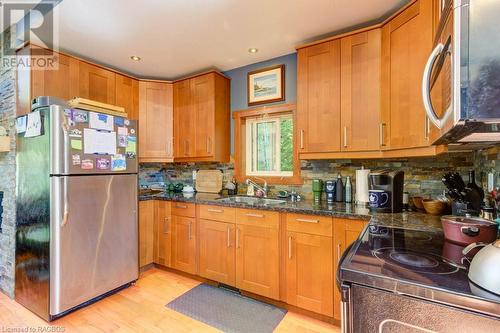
<point x="467" y="230"/>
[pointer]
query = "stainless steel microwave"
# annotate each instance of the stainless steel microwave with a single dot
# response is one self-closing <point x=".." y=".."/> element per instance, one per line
<point x="461" y="80"/>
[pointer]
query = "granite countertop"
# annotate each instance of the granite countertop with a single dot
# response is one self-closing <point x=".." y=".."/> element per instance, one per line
<point x="409" y="220"/>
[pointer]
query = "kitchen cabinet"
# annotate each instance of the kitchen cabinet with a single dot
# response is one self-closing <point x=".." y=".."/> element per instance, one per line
<point x="309" y="263"/>
<point x="146" y="232"/>
<point x="155" y="122"/>
<point x="184" y="120"/>
<point x="257" y="260"/>
<point x="360" y="91"/>
<point x="183" y="239"/>
<point x="318" y="98"/>
<point x="201" y="118"/>
<point x="163" y="234"/>
<point x="217" y="254"/>
<point x="406" y="44"/>
<point x="345" y="232"/>
<point x="127" y="95"/>
<point x="61" y="80"/>
<point x="96" y="83"/>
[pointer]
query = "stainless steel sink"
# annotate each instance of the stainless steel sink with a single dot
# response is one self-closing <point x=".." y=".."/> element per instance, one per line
<point x="252" y="200"/>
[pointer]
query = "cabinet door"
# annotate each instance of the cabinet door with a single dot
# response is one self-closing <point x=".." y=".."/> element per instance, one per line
<point x="406" y="45"/>
<point x="163" y="236"/>
<point x="127" y="95"/>
<point x="155" y="121"/>
<point x="309" y="272"/>
<point x="184" y="243"/>
<point x="360" y="91"/>
<point x="203" y="99"/>
<point x="257" y="260"/>
<point x="146" y="232"/>
<point x="318" y="100"/>
<point x="345" y="232"/>
<point x="96" y="83"/>
<point x="217" y="255"/>
<point x="184" y="120"/>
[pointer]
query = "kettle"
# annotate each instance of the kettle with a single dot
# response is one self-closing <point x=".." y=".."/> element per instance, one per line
<point x="484" y="269"/>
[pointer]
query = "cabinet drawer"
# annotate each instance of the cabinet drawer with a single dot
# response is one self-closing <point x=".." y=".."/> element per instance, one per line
<point x="183" y="209"/>
<point x="217" y="213"/>
<point x="310" y="224"/>
<point x="258" y="217"/>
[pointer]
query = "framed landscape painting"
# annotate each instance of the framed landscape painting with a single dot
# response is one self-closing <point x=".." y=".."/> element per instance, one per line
<point x="266" y="85"/>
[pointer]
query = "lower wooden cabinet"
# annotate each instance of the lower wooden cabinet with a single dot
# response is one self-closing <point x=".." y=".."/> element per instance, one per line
<point x="163" y="234"/>
<point x="257" y="260"/>
<point x="184" y="243"/>
<point x="146" y="232"/>
<point x="345" y="232"/>
<point x="217" y="254"/>
<point x="309" y="272"/>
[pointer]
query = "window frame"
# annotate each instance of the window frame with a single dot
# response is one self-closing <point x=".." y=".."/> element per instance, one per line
<point x="241" y="144"/>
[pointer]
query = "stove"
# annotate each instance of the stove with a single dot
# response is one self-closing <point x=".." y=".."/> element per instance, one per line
<point x="411" y="269"/>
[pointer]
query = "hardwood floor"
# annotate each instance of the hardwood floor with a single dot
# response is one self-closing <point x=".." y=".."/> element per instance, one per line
<point x="140" y="308"/>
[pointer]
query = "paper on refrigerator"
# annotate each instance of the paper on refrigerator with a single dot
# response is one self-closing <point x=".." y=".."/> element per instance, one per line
<point x="99" y="142"/>
<point x="101" y="121"/>
<point x="33" y="125"/>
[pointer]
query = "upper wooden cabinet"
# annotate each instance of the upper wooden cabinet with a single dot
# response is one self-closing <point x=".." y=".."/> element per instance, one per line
<point x="155" y="122"/>
<point x="96" y="83"/>
<point x="59" y="81"/>
<point x="406" y="45"/>
<point x="318" y="99"/>
<point x="127" y="95"/>
<point x="360" y="91"/>
<point x="201" y="118"/>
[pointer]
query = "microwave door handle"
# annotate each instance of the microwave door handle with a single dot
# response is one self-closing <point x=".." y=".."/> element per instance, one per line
<point x="426" y="94"/>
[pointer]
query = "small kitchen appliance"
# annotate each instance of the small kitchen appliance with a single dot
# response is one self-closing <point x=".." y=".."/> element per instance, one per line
<point x="386" y="191"/>
<point x="484" y="269"/>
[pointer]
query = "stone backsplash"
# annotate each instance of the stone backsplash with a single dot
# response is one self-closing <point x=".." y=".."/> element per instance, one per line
<point x="422" y="175"/>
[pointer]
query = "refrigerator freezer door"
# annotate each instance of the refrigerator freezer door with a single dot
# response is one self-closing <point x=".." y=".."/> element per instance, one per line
<point x="76" y="140"/>
<point x="94" y="249"/>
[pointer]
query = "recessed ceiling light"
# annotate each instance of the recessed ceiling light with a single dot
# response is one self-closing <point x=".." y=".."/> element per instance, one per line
<point x="253" y="50"/>
<point x="135" y="58"/>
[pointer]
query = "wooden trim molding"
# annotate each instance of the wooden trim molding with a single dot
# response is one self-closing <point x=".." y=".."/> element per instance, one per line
<point x="239" y="142"/>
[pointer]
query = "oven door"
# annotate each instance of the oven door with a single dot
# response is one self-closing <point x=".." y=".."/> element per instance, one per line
<point x="438" y="79"/>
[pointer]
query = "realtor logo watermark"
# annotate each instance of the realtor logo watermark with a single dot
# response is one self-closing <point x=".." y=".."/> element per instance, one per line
<point x="33" y="23"/>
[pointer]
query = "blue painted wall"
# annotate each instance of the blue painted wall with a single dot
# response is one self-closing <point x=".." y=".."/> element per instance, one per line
<point x="239" y="84"/>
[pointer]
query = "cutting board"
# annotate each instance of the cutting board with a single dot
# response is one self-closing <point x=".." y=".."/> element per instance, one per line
<point x="209" y="181"/>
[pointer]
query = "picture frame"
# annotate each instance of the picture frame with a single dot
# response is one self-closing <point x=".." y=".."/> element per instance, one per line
<point x="266" y="85"/>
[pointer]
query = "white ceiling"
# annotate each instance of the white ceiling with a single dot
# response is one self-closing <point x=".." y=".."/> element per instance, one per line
<point x="177" y="37"/>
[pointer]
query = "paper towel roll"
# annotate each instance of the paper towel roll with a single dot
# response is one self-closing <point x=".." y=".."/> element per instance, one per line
<point x="362" y="186"/>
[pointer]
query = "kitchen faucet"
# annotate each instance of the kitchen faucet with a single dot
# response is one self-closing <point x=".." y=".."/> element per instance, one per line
<point x="263" y="189"/>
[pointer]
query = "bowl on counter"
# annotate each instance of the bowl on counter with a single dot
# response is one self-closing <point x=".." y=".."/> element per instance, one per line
<point x="417" y="202"/>
<point x="434" y="207"/>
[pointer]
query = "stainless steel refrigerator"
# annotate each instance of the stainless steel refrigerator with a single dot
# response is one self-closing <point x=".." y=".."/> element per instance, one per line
<point x="76" y="207"/>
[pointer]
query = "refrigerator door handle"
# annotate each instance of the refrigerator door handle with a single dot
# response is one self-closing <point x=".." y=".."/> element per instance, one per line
<point x="65" y="202"/>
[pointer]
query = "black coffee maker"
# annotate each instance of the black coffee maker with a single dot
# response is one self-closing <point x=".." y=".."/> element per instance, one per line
<point x="386" y="191"/>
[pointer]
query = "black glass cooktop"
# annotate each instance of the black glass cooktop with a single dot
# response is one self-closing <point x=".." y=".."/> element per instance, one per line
<point x="412" y="262"/>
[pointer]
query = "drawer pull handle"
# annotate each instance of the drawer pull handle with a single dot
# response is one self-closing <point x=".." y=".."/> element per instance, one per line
<point x="307" y="220"/>
<point x="215" y="210"/>
<point x="290" y="247"/>
<point x="228" y="237"/>
<point x="254" y="215"/>
<point x="181" y="206"/>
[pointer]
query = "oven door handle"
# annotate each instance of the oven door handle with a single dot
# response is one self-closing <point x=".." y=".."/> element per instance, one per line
<point x="426" y="90"/>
